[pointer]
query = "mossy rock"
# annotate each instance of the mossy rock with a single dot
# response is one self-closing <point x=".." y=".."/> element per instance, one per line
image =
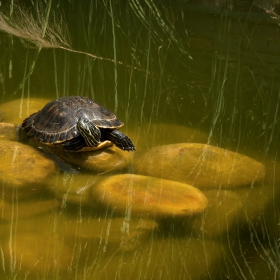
<point x="23" y="170"/>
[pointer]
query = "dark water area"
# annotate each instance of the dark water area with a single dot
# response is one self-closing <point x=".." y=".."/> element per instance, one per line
<point x="197" y="87"/>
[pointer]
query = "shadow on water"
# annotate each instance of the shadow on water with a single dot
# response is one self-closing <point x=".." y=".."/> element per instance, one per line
<point x="196" y="84"/>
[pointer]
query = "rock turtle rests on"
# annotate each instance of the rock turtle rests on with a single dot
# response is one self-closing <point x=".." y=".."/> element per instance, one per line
<point x="77" y="124"/>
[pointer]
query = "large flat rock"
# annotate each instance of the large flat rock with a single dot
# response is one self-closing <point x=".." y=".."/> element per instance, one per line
<point x="149" y="196"/>
<point x="23" y="169"/>
<point x="200" y="165"/>
<point x="101" y="161"/>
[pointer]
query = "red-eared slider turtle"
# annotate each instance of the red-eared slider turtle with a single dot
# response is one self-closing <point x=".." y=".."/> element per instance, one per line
<point x="78" y="124"/>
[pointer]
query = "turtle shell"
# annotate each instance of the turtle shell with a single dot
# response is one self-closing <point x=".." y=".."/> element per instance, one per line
<point x="57" y="121"/>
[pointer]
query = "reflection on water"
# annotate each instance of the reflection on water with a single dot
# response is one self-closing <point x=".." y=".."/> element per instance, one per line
<point x="197" y="200"/>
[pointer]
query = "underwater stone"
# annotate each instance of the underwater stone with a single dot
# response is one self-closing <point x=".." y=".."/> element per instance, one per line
<point x="115" y="233"/>
<point x="259" y="259"/>
<point x="1" y="115"/>
<point x="37" y="253"/>
<point x="220" y="215"/>
<point x="72" y="188"/>
<point x="167" y="258"/>
<point x="149" y="196"/>
<point x="23" y="170"/>
<point x="200" y="165"/>
<point x="268" y="201"/>
<point x="9" y="131"/>
<point x="21" y="109"/>
<point x="271" y="219"/>
<point x="26" y="209"/>
<point x="254" y="202"/>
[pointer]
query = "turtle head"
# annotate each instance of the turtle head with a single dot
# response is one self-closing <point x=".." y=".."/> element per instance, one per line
<point x="89" y="131"/>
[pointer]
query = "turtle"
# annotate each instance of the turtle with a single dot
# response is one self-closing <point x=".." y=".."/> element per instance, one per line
<point x="76" y="124"/>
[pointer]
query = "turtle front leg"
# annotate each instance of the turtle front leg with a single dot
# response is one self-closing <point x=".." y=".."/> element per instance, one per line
<point x="74" y="144"/>
<point x="120" y="140"/>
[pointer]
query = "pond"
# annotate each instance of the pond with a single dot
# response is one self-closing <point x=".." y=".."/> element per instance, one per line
<point x="196" y="85"/>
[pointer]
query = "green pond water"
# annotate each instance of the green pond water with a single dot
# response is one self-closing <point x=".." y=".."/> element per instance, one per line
<point x="172" y="75"/>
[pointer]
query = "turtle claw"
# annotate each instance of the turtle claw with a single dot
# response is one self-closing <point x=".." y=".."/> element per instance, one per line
<point x="120" y="140"/>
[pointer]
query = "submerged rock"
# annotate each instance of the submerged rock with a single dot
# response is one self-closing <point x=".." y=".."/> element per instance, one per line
<point x="200" y="165"/>
<point x="73" y="188"/>
<point x="166" y="258"/>
<point x="37" y="253"/>
<point x="254" y="202"/>
<point x="259" y="210"/>
<point x="149" y="196"/>
<point x="26" y="209"/>
<point x="270" y="218"/>
<point x="9" y="131"/>
<point x="21" y="109"/>
<point x="220" y="216"/>
<point x="23" y="170"/>
<point x="267" y="201"/>
<point x="1" y="115"/>
<point x="116" y="233"/>
<point x="256" y="259"/>
<point x="52" y="244"/>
